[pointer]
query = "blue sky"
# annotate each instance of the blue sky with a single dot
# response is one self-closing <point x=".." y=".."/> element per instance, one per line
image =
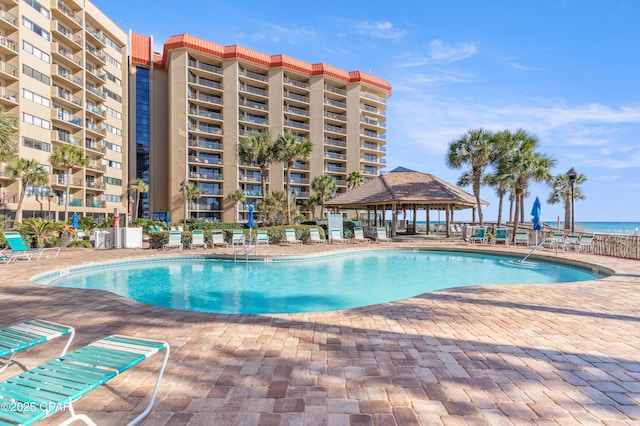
<point x="565" y="70"/>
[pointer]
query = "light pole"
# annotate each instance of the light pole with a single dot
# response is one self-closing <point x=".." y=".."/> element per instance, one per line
<point x="184" y="186"/>
<point x="50" y="195"/>
<point x="572" y="175"/>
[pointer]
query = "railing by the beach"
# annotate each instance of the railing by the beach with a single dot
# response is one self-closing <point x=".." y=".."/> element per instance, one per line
<point x="615" y="245"/>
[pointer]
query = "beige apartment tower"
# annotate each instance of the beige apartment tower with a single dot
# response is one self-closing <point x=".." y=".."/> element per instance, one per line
<point x="202" y="98"/>
<point x="63" y="75"/>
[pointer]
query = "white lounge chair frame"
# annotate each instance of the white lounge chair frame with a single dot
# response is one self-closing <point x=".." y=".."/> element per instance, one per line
<point x="358" y="235"/>
<point x="479" y="235"/>
<point x="63" y="381"/>
<point x="521" y="237"/>
<point x="197" y="240"/>
<point x="501" y="236"/>
<point x="315" y="238"/>
<point x="336" y="237"/>
<point x="290" y="236"/>
<point x="217" y="238"/>
<point x="175" y="240"/>
<point x="381" y="235"/>
<point x="19" y="337"/>
<point x="262" y="237"/>
<point x="237" y="238"/>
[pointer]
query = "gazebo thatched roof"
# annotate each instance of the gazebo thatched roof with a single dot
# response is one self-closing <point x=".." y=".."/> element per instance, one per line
<point x="404" y="187"/>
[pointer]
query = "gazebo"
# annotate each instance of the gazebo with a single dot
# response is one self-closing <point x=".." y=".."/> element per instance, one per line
<point x="402" y="189"/>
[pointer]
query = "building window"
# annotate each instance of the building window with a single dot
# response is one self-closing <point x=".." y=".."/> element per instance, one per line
<point x="36" y="121"/>
<point x="112" y="112"/>
<point x="36" y="28"/>
<point x="35" y="51"/>
<point x="112" y="129"/>
<point x="113" y="78"/>
<point x="114" y="164"/>
<point x="113" y="146"/>
<point x="113" y="95"/>
<point x="34" y="97"/>
<point x="112" y="181"/>
<point x="111" y="60"/>
<point x="27" y="70"/>
<point x="35" y="144"/>
<point x="37" y="6"/>
<point x="112" y="43"/>
<point x="112" y="198"/>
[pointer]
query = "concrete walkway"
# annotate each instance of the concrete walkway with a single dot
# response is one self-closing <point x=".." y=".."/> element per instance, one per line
<point x="489" y="355"/>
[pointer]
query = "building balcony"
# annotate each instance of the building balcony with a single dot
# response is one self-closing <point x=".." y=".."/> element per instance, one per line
<point x="205" y="98"/>
<point x="373" y="122"/>
<point x="101" y="168"/>
<point x="335" y="169"/>
<point x="254" y="105"/>
<point x="61" y="32"/>
<point x="8" y="46"/>
<point x="206" y="67"/>
<point x="374" y="135"/>
<point x="69" y="16"/>
<point x="59" y="72"/>
<point x="8" y="72"/>
<point x="205" y="129"/>
<point x="254" y="120"/>
<point x="336" y="90"/>
<point x="95" y="92"/>
<point x="8" y="20"/>
<point x="61" y="116"/>
<point x="206" y="114"/>
<point x="95" y="34"/>
<point x="335" y="156"/>
<point x="96" y="112"/>
<point x="296" y="97"/>
<point x="334" y="116"/>
<point x="8" y="96"/>
<point x="333" y="102"/>
<point x="61" y="180"/>
<point x="96" y="204"/>
<point x="297" y="111"/>
<point x="98" y="186"/>
<point x="374" y="110"/>
<point x="249" y="178"/>
<point x="296" y="124"/>
<point x="372" y="97"/>
<point x="65" y="98"/>
<point x="196" y="159"/>
<point x="96" y="147"/>
<point x="203" y="144"/>
<point x="96" y="54"/>
<point x="254" y="90"/>
<point x="373" y="147"/>
<point x="299" y="181"/>
<point x="253" y="75"/>
<point x="335" y="142"/>
<point x="335" y="129"/>
<point x="65" y="56"/>
<point x="205" y="176"/>
<point x="205" y="82"/>
<point x="301" y="167"/>
<point x="296" y="83"/>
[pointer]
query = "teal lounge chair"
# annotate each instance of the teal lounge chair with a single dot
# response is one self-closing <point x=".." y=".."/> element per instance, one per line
<point x="315" y="238"/>
<point x="55" y="386"/>
<point x="381" y="235"/>
<point x="217" y="238"/>
<point x="19" y="337"/>
<point x="521" y="237"/>
<point x="237" y="238"/>
<point x="479" y="235"/>
<point x="336" y="236"/>
<point x="501" y="236"/>
<point x="175" y="240"/>
<point x="290" y="235"/>
<point x="18" y="247"/>
<point x="262" y="238"/>
<point x="358" y="235"/>
<point x="197" y="240"/>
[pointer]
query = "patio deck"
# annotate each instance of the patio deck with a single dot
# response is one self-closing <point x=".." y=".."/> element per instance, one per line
<point x="506" y="354"/>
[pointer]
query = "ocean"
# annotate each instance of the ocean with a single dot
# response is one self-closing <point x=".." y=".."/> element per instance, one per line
<point x="596" y="227"/>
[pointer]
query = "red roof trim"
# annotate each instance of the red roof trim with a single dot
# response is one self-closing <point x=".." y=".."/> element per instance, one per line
<point x="186" y="41"/>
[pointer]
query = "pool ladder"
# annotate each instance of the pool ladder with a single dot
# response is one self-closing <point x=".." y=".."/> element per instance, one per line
<point x="247" y="246"/>
<point x="538" y="246"/>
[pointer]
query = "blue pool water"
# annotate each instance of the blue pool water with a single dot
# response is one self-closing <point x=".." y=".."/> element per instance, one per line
<point x="326" y="283"/>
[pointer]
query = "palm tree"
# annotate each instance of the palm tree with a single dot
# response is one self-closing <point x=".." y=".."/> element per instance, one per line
<point x="41" y="229"/>
<point x="325" y="186"/>
<point x="236" y="196"/>
<point x="190" y="192"/>
<point x="474" y="149"/>
<point x="354" y="179"/>
<point x="29" y="173"/>
<point x="139" y="186"/>
<point x="525" y="164"/>
<point x="309" y="204"/>
<point x="69" y="157"/>
<point x="288" y="149"/>
<point x="8" y="131"/>
<point x="258" y="148"/>
<point x="561" y="192"/>
<point x="503" y="143"/>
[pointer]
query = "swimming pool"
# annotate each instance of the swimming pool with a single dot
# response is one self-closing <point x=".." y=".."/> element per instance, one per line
<point x="322" y="283"/>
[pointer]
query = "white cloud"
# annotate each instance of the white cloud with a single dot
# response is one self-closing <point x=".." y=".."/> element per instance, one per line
<point x="442" y="52"/>
<point x="382" y="30"/>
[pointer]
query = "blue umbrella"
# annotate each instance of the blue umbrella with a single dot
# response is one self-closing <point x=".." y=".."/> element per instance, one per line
<point x="250" y="222"/>
<point x="535" y="215"/>
<point x="74" y="221"/>
<point x="168" y="220"/>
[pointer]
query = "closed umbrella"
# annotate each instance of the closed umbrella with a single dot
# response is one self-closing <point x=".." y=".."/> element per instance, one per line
<point x="168" y="220"/>
<point x="250" y="223"/>
<point x="535" y="217"/>
<point x="74" y="221"/>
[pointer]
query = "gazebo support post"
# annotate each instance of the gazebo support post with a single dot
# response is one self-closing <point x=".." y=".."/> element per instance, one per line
<point x="415" y="220"/>
<point x="447" y="220"/>
<point x="428" y="220"/>
<point x="394" y="220"/>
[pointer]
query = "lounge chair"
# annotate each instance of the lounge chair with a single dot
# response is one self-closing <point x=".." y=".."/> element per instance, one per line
<point x="27" y="334"/>
<point x="237" y="238"/>
<point x="197" y="240"/>
<point x="502" y="236"/>
<point x="290" y="236"/>
<point x="217" y="238"/>
<point x="381" y="235"/>
<point x="38" y="393"/>
<point x="175" y="240"/>
<point x="262" y="238"/>
<point x="18" y="247"/>
<point x="556" y="240"/>
<point x="572" y="241"/>
<point x="521" y="237"/>
<point x="315" y="238"/>
<point x="479" y="235"/>
<point x="358" y="235"/>
<point x="336" y="237"/>
<point x="586" y="242"/>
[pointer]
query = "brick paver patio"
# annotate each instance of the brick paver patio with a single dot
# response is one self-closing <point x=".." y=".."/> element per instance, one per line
<point x="488" y="355"/>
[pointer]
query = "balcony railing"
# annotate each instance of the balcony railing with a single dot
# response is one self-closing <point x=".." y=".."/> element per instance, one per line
<point x="296" y="124"/>
<point x="205" y="129"/>
<point x="254" y="105"/>
<point x="335" y="129"/>
<point x="9" y="95"/>
<point x="335" y="169"/>
<point x="205" y="144"/>
<point x="334" y="142"/>
<point x="335" y="90"/>
<point x="205" y="98"/>
<point x="296" y="83"/>
<point x="253" y="119"/>
<point x="296" y="96"/>
<point x="373" y="97"/>
<point x="335" y="155"/>
<point x="295" y="110"/>
<point x="96" y="204"/>
<point x="205" y="113"/>
<point x="70" y="13"/>
<point x="206" y="67"/>
<point x="253" y="75"/>
<point x="334" y="116"/>
<point x="8" y="43"/>
<point x="8" y="69"/>
<point x="202" y="175"/>
<point x="95" y="185"/>
<point x="253" y="89"/>
<point x="335" y="103"/>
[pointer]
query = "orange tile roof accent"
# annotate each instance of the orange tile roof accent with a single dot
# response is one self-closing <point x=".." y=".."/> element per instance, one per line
<point x="186" y="41"/>
<point x="140" y="49"/>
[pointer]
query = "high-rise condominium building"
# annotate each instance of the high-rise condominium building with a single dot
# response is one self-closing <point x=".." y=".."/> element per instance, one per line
<point x="191" y="106"/>
<point x="63" y="75"/>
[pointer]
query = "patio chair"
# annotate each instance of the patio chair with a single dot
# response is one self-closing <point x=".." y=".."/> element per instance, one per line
<point x="18" y="247"/>
<point x="237" y="237"/>
<point x="381" y="234"/>
<point x="586" y="242"/>
<point x="175" y="240"/>
<point x="262" y="238"/>
<point x="336" y="237"/>
<point x="315" y="238"/>
<point x="521" y="237"/>
<point x="502" y="236"/>
<point x="556" y="240"/>
<point x="572" y="241"/>
<point x="18" y="337"/>
<point x="290" y="236"/>
<point x="479" y="235"/>
<point x="217" y="238"/>
<point x="56" y="385"/>
<point x="197" y="240"/>
<point x="358" y="235"/>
